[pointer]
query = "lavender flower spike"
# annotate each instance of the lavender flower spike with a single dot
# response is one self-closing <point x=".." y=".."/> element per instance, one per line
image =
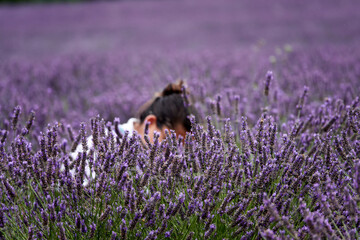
<point x="269" y="78"/>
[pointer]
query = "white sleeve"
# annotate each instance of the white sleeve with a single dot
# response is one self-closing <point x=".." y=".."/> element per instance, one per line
<point x="88" y="174"/>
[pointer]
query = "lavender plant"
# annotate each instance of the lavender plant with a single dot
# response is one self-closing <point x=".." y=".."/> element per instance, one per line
<point x="300" y="180"/>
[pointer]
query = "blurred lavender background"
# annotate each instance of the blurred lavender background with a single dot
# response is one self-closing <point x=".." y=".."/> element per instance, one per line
<point x="70" y="62"/>
<point x="101" y="27"/>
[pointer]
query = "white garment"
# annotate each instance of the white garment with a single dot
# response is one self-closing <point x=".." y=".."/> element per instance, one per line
<point x="89" y="175"/>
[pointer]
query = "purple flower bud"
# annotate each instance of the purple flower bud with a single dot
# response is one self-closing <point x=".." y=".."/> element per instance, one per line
<point x="218" y="105"/>
<point x="190" y="236"/>
<point x="134" y="221"/>
<point x="146" y="129"/>
<point x="83" y="226"/>
<point x="300" y="104"/>
<point x="52" y="212"/>
<point x="92" y="230"/>
<point x="59" y="216"/>
<point x="15" y="117"/>
<point x="83" y="137"/>
<point x="356" y="179"/>
<point x="105" y="214"/>
<point x="62" y="231"/>
<point x="210" y="231"/>
<point x="168" y="234"/>
<point x="269" y="78"/>
<point x="151" y="236"/>
<point x="30" y="233"/>
<point x="10" y="190"/>
<point x="181" y="200"/>
<point x="123" y="230"/>
<point x="269" y="234"/>
<point x="45" y="219"/>
<point x="2" y="222"/>
<point x="113" y="235"/>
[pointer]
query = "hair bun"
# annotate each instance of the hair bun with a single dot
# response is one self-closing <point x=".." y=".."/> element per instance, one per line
<point x="172" y="88"/>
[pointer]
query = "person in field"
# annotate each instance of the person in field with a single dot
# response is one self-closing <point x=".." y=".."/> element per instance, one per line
<point x="167" y="110"/>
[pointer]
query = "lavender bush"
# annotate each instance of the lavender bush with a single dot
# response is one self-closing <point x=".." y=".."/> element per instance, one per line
<point x="274" y="155"/>
<point x="297" y="179"/>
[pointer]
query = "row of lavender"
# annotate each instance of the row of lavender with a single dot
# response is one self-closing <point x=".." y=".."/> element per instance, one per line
<point x="271" y="165"/>
<point x="73" y="89"/>
<point x="300" y="185"/>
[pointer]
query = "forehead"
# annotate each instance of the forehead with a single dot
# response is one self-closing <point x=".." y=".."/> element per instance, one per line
<point x="180" y="130"/>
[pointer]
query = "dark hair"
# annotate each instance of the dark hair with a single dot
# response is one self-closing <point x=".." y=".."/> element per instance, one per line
<point x="170" y="107"/>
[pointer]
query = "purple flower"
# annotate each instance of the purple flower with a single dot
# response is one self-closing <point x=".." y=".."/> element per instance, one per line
<point x="92" y="230"/>
<point x="210" y="231"/>
<point x="113" y="235"/>
<point x="269" y="234"/>
<point x="151" y="236"/>
<point x="105" y="214"/>
<point x="15" y="117"/>
<point x="190" y="236"/>
<point x="167" y="234"/>
<point x="123" y="229"/>
<point x="2" y="222"/>
<point x="83" y="226"/>
<point x="10" y="190"/>
<point x="181" y="200"/>
<point x="78" y="221"/>
<point x="134" y="221"/>
<point x="269" y="78"/>
<point x="62" y="231"/>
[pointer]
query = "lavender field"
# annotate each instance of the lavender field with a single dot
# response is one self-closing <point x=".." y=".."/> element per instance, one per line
<point x="275" y="153"/>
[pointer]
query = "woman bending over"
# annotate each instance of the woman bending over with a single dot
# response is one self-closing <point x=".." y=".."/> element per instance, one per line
<point x="167" y="110"/>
